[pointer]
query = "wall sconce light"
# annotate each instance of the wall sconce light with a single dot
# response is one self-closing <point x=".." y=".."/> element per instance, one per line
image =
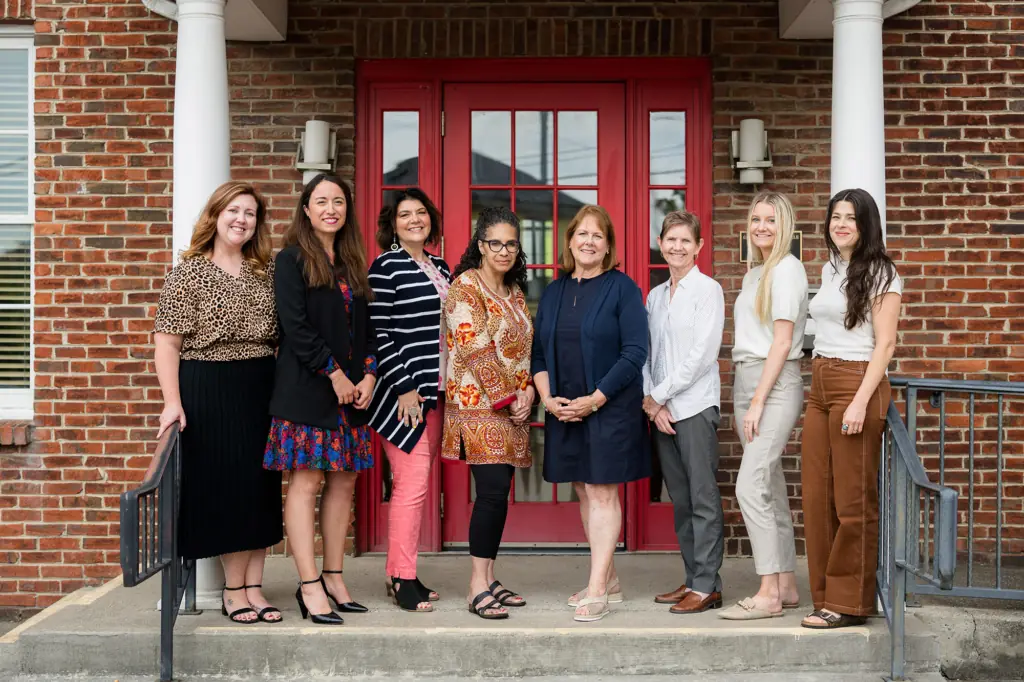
<point x="749" y="151"/>
<point x="317" y="153"/>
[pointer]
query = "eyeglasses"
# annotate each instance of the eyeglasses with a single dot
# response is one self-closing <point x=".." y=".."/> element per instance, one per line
<point x="496" y="246"/>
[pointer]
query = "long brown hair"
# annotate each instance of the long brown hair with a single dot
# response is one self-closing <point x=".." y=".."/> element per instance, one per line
<point x="349" y="252"/>
<point x="871" y="271"/>
<point x="604" y="222"/>
<point x="256" y="251"/>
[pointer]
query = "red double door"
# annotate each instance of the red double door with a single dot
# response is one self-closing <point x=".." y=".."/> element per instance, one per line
<point x="543" y="149"/>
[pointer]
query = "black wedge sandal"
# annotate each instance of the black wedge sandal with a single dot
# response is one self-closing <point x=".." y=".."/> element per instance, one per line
<point x="427" y="593"/>
<point x="482" y="609"/>
<point x="266" y="610"/>
<point x="505" y="595"/>
<point x="410" y="598"/>
<point x="329" y="618"/>
<point x="344" y="607"/>
<point x="233" y="616"/>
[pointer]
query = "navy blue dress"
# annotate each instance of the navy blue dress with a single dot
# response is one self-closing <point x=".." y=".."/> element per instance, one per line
<point x="598" y="343"/>
<point x="571" y="441"/>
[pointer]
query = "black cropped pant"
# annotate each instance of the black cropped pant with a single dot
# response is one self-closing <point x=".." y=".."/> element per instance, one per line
<point x="487" y="523"/>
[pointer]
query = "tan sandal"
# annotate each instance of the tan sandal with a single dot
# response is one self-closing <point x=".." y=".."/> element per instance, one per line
<point x="747" y="609"/>
<point x="615" y="596"/>
<point x="588" y="602"/>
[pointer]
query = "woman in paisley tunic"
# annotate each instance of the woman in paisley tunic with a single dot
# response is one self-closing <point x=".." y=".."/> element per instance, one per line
<point x="325" y="376"/>
<point x="489" y="393"/>
<point x="216" y="330"/>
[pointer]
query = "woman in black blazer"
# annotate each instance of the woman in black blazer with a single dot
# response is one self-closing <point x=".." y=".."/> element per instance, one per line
<point x="326" y="370"/>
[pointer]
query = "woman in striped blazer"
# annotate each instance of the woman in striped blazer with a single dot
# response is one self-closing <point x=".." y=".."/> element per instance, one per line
<point x="410" y="287"/>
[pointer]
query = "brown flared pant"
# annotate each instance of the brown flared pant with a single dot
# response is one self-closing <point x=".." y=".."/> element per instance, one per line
<point x="840" y="488"/>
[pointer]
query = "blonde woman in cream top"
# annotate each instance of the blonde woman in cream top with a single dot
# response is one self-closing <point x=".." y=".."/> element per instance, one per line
<point x="768" y="396"/>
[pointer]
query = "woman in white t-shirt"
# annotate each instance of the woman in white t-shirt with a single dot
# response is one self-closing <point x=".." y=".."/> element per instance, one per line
<point x="856" y="312"/>
<point x="768" y="396"/>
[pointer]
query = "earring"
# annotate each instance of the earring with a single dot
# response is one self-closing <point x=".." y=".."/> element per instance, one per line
<point x="394" y="243"/>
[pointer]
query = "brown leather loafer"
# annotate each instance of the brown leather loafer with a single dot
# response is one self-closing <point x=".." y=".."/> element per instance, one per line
<point x="692" y="603"/>
<point x="672" y="597"/>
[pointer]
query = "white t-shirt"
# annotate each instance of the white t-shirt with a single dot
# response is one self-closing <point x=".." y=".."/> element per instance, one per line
<point x="828" y="309"/>
<point x="789" y="302"/>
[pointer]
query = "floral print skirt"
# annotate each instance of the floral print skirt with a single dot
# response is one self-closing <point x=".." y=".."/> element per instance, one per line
<point x="292" y="446"/>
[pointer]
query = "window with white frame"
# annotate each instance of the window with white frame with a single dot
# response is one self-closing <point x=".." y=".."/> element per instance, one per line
<point x="16" y="218"/>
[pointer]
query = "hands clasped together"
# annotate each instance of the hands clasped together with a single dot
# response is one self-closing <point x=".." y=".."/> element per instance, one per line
<point x="660" y="415"/>
<point x="357" y="395"/>
<point x="574" y="410"/>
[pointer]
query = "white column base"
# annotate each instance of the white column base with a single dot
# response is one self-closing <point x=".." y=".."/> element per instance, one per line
<point x="209" y="581"/>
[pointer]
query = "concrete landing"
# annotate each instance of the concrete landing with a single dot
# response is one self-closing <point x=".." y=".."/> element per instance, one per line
<point x="114" y="630"/>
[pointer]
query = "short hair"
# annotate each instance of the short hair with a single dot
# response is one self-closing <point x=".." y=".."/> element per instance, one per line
<point x="684" y="218"/>
<point x="389" y="212"/>
<point x="604" y="222"/>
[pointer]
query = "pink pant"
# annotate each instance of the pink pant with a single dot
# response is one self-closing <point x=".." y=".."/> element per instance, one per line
<point x="411" y="477"/>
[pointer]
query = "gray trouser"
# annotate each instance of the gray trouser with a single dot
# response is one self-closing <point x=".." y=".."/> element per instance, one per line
<point x="689" y="463"/>
<point x="761" y="483"/>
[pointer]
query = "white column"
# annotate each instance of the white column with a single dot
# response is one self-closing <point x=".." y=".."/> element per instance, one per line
<point x="202" y="137"/>
<point x="202" y="160"/>
<point x="858" y="101"/>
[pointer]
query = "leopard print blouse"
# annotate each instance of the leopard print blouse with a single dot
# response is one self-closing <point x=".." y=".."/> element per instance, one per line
<point x="219" y="317"/>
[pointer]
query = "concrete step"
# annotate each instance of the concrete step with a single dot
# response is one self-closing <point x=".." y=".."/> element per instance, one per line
<point x="114" y="631"/>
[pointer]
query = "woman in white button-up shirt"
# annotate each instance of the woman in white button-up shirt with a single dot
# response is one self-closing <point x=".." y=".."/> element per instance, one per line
<point x="686" y="316"/>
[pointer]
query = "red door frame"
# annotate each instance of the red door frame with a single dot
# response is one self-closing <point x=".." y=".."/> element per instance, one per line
<point x="418" y="85"/>
<point x="553" y="522"/>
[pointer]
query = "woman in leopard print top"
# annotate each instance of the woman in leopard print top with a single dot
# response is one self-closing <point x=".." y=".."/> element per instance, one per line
<point x="216" y="331"/>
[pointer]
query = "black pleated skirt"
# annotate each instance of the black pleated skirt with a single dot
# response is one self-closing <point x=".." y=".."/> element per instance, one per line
<point x="229" y="502"/>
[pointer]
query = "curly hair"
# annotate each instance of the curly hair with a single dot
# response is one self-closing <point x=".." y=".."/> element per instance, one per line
<point x="389" y="214"/>
<point x="473" y="257"/>
<point x="871" y="270"/>
<point x="257" y="250"/>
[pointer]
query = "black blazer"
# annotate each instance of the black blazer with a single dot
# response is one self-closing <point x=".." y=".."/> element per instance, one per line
<point x="314" y="328"/>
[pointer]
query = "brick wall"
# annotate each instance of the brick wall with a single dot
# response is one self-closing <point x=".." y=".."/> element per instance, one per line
<point x="104" y="90"/>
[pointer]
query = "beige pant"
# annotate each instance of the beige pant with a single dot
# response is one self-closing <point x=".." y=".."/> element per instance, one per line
<point x="761" y="484"/>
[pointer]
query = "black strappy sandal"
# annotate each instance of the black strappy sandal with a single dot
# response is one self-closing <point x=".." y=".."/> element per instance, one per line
<point x="266" y="610"/>
<point x="344" y="607"/>
<point x="505" y="595"/>
<point x="833" y="620"/>
<point x="482" y="609"/>
<point x="409" y="599"/>
<point x="233" y="616"/>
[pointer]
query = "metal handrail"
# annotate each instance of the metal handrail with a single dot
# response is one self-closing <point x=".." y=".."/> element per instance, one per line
<point x="995" y="392"/>
<point x="911" y="543"/>
<point x="149" y="541"/>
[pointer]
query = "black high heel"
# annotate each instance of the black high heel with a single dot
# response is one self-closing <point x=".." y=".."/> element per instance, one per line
<point x="329" y="618"/>
<point x="410" y="598"/>
<point x="346" y="607"/>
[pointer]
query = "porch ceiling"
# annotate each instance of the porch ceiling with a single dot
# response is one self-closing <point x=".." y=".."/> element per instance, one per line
<point x="256" y="20"/>
<point x="812" y="19"/>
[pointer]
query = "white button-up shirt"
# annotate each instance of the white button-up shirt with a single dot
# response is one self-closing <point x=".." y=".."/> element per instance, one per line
<point x="686" y="328"/>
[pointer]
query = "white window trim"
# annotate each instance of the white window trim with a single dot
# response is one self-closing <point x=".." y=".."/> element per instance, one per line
<point x="18" y="403"/>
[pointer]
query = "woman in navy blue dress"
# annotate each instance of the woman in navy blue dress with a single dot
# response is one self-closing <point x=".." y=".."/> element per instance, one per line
<point x="589" y="350"/>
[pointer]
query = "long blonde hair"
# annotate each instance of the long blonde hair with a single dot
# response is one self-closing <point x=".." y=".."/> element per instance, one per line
<point x="784" y="226"/>
<point x="256" y="251"/>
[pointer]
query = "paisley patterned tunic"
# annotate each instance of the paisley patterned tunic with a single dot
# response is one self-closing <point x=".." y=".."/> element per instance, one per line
<point x="489" y="339"/>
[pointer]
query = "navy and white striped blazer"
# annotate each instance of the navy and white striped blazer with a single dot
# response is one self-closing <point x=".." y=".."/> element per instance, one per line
<point x="406" y="314"/>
